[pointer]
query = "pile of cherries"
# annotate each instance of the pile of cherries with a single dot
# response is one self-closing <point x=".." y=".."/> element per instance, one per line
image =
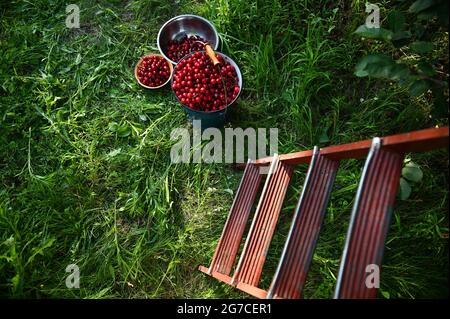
<point x="153" y="71"/>
<point x="200" y="85"/>
<point x="177" y="49"/>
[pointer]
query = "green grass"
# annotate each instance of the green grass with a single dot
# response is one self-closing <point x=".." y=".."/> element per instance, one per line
<point x="85" y="168"/>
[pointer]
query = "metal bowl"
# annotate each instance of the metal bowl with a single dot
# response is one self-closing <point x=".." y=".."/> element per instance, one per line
<point x="152" y="87"/>
<point x="186" y="25"/>
<point x="239" y="76"/>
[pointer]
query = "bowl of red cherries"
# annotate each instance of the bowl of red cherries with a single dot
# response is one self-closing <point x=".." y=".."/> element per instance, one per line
<point x="153" y="71"/>
<point x="184" y="34"/>
<point x="204" y="87"/>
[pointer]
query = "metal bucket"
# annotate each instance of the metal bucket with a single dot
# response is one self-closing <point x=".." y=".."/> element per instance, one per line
<point x="186" y="25"/>
<point x="215" y="118"/>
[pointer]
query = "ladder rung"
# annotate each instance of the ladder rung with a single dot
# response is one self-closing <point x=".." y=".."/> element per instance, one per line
<point x="294" y="264"/>
<point x="228" y="245"/>
<point x="249" y="269"/>
<point x="369" y="222"/>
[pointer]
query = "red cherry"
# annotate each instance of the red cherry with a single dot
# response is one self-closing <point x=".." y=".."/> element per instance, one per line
<point x="153" y="71"/>
<point x="200" y="86"/>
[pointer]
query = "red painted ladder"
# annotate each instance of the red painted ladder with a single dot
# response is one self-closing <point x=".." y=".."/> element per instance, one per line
<point x="368" y="226"/>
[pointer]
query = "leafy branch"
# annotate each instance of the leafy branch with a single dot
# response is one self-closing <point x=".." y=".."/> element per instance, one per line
<point x="427" y="17"/>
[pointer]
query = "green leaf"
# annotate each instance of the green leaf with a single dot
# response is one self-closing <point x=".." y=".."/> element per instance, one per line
<point x="401" y="35"/>
<point x="412" y="172"/>
<point x="229" y="191"/>
<point x="381" y="66"/>
<point x="15" y="281"/>
<point x="399" y="71"/>
<point x="396" y="21"/>
<point x="420" y="5"/>
<point x="422" y="47"/>
<point x="114" y="152"/>
<point x="385" y="294"/>
<point x="113" y="126"/>
<point x="368" y="64"/>
<point x="405" y="189"/>
<point x="78" y="59"/>
<point x="40" y="249"/>
<point x="426" y="68"/>
<point x="379" y="70"/>
<point x="123" y="131"/>
<point x="9" y="242"/>
<point x="374" y="33"/>
<point x="418" y="87"/>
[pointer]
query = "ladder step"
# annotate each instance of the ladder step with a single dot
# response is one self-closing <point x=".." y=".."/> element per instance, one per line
<point x="251" y="262"/>
<point x="369" y="222"/>
<point x="293" y="266"/>
<point x="228" y="245"/>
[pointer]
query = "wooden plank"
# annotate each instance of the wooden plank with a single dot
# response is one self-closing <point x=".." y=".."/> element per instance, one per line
<point x="252" y="290"/>
<point x="228" y="245"/>
<point x="375" y="197"/>
<point x="293" y="266"/>
<point x="253" y="256"/>
<point x="217" y="275"/>
<point x="417" y="141"/>
<point x="203" y="269"/>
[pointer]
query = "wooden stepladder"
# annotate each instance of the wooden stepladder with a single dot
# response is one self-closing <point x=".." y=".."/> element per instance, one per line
<point x="369" y="222"/>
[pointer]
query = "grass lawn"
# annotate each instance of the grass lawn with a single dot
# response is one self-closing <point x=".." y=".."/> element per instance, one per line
<point x="85" y="170"/>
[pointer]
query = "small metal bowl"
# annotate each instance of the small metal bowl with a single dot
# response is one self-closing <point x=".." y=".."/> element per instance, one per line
<point x="186" y="25"/>
<point x="152" y="87"/>
<point x="239" y="76"/>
